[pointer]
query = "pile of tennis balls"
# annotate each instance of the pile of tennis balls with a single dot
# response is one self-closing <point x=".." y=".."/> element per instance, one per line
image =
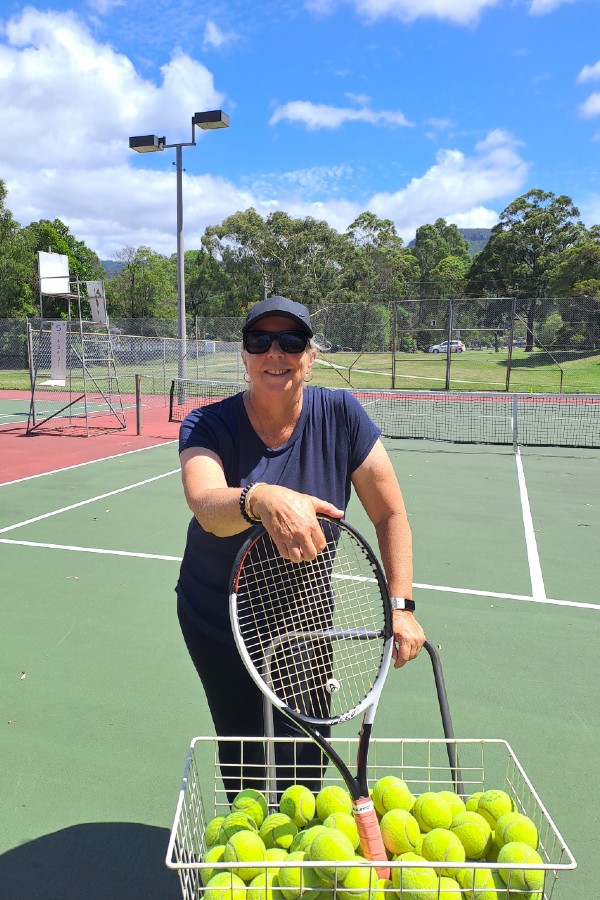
<point x="436" y="826"/>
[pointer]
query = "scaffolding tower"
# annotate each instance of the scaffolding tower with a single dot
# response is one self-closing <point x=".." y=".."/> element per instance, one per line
<point x="74" y="381"/>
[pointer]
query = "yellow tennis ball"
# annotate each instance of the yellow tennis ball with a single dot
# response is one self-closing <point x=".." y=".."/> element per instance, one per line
<point x="359" y="884"/>
<point x="432" y="811"/>
<point x="212" y="830"/>
<point x="214" y="854"/>
<point x="345" y="823"/>
<point x="493" y="804"/>
<point x="391" y="792"/>
<point x="332" y="799"/>
<point x="441" y="845"/>
<point x="298" y="802"/>
<point x="449" y="889"/>
<point x="515" y="826"/>
<point x="225" y="886"/>
<point x="253" y="803"/>
<point x="521" y="879"/>
<point x="278" y="830"/>
<point x="400" y="831"/>
<point x="481" y="884"/>
<point x="290" y="878"/>
<point x="234" y="822"/>
<point x="383" y="890"/>
<point x="474" y="833"/>
<point x="414" y="882"/>
<point x="334" y="847"/>
<point x="305" y="836"/>
<point x="457" y="804"/>
<point x="275" y="855"/>
<point x="472" y="801"/>
<point x="262" y="888"/>
<point x="245" y="846"/>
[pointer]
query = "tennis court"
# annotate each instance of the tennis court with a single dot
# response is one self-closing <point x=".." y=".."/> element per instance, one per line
<point x="100" y="700"/>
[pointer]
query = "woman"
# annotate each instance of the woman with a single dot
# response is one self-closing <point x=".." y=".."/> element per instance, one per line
<point x="278" y="453"/>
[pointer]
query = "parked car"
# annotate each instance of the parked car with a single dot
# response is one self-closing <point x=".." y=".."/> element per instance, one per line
<point x="455" y="347"/>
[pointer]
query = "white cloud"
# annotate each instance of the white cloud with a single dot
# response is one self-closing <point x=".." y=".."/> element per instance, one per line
<point x="589" y="73"/>
<point x="590" y="107"/>
<point x="319" y="115"/>
<point x="460" y="12"/>
<point x="541" y="7"/>
<point x="215" y="37"/>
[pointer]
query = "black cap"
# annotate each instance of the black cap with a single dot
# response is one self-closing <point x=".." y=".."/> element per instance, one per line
<point x="278" y="306"/>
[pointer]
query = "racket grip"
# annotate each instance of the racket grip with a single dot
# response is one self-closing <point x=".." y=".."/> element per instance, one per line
<point x="369" y="833"/>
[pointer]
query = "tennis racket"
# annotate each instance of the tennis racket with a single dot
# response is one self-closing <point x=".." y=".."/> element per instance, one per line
<point x="317" y="639"/>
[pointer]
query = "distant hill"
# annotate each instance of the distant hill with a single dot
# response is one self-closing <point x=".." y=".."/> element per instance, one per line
<point x="476" y="238"/>
<point x="111" y="267"/>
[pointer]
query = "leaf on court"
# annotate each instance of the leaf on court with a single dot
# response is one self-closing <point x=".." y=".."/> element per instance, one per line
<point x="23" y="675"/>
<point x="72" y="577"/>
<point x="11" y="721"/>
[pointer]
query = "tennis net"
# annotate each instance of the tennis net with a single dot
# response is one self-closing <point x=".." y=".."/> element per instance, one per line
<point x="551" y="420"/>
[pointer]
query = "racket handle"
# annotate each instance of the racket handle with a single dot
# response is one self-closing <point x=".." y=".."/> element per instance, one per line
<point x="369" y="833"/>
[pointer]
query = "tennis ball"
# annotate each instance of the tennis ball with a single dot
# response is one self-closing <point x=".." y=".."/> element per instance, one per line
<point x="245" y="846"/>
<point x="345" y="823"/>
<point x="449" y="889"/>
<point x="298" y="802"/>
<point x="233" y="823"/>
<point x="400" y="831"/>
<point x="493" y="804"/>
<point x="383" y="890"/>
<point x="481" y="884"/>
<point x="262" y="888"/>
<point x="278" y="830"/>
<point x="225" y="886"/>
<point x="414" y="882"/>
<point x="472" y="801"/>
<point x="253" y="803"/>
<point x="214" y="854"/>
<point x="521" y="879"/>
<point x="334" y="847"/>
<point x="457" y="804"/>
<point x="440" y="845"/>
<point x="275" y="855"/>
<point x="304" y="838"/>
<point x="332" y="799"/>
<point x="474" y="833"/>
<point x="391" y="792"/>
<point x="359" y="884"/>
<point x="432" y="811"/>
<point x="515" y="826"/>
<point x="290" y="877"/>
<point x="211" y="832"/>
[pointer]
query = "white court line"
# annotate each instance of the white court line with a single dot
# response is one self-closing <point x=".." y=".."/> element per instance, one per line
<point x="426" y="587"/>
<point x="90" y="462"/>
<point x="57" y="512"/>
<point x="538" y="590"/>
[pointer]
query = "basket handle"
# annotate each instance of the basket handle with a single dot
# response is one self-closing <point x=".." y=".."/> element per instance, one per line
<point x="446" y="717"/>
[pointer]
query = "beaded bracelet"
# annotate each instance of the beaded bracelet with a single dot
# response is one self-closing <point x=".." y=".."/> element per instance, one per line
<point x="244" y="508"/>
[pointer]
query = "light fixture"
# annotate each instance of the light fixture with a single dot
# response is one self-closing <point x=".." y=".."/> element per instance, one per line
<point x="214" y="118"/>
<point x="146" y="143"/>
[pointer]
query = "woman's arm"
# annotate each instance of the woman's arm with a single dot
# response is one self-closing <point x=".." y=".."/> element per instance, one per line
<point x="378" y="490"/>
<point x="289" y="517"/>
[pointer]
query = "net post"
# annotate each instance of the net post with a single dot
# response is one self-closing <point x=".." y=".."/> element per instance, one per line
<point x="138" y="403"/>
<point x="515" y="422"/>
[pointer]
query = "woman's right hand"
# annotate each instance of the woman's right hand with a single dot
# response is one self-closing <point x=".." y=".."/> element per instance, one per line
<point x="291" y="520"/>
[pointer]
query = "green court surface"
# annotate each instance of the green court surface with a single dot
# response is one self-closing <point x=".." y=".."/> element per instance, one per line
<point x="100" y="700"/>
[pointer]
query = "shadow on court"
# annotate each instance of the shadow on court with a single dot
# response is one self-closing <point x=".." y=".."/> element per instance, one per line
<point x="120" y="860"/>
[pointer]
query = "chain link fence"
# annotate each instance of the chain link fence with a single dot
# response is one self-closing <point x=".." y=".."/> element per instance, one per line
<point x="538" y="344"/>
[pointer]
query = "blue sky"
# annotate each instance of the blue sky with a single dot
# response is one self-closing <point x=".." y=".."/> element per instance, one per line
<point x="412" y="109"/>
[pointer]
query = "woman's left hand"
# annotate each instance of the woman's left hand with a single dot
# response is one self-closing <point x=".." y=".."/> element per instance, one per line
<point x="409" y="637"/>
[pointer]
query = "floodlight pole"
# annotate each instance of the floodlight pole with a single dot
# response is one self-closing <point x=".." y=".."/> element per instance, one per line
<point x="208" y="121"/>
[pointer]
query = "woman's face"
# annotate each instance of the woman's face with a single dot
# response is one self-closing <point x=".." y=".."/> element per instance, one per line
<point x="276" y="372"/>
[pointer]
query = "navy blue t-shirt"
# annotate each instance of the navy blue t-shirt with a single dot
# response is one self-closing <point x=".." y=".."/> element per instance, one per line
<point x="332" y="437"/>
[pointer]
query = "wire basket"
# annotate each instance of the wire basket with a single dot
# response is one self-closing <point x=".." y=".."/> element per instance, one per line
<point x="421" y="763"/>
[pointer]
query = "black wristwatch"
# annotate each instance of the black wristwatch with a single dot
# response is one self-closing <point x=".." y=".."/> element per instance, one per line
<point x="402" y="603"/>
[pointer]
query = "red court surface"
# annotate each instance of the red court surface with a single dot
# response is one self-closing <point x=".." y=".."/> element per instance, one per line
<point x="23" y="455"/>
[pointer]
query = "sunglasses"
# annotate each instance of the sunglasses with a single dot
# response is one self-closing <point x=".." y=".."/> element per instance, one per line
<point x="289" y="341"/>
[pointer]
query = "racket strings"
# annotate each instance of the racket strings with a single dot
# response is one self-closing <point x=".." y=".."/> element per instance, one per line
<point x="314" y="631"/>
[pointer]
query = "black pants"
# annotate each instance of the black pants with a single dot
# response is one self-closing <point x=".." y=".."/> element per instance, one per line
<point x="236" y="705"/>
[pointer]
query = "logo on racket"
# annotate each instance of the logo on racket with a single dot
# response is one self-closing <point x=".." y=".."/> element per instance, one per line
<point x="332" y="685"/>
